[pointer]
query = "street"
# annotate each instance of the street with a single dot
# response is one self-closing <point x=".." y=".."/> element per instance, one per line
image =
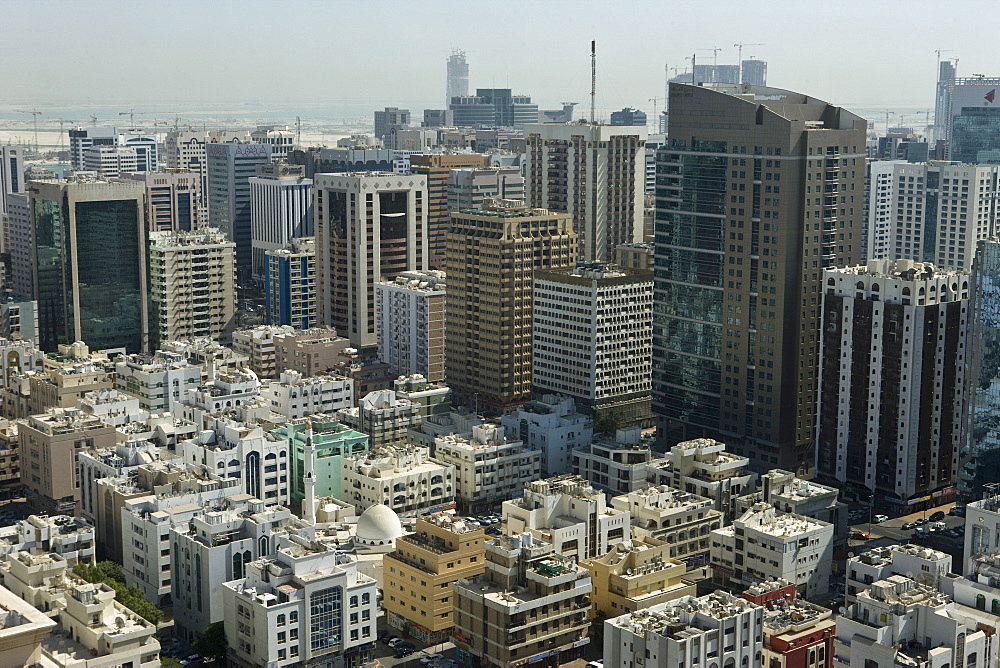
<point x="892" y="528"/>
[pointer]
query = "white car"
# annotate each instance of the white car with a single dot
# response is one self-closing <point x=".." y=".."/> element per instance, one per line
<point x="878" y="519"/>
<point x="430" y="658"/>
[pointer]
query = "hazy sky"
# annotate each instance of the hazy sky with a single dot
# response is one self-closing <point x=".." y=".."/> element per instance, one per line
<point x="864" y="54"/>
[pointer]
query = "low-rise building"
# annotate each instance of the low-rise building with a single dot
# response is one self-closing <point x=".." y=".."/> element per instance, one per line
<point x="257" y="343"/>
<point x="790" y="494"/>
<point x="114" y="407"/>
<point x="636" y="574"/>
<point x="304" y="604"/>
<point x="432" y="398"/>
<point x="458" y="422"/>
<point x="97" y="463"/>
<point x="441" y="550"/>
<point x="311" y="352"/>
<point x="293" y="396"/>
<point x="923" y="564"/>
<point x="384" y="416"/>
<point x="10" y="460"/>
<point x="718" y="629"/>
<point x="529" y="602"/>
<point x="25" y="629"/>
<point x="552" y="426"/>
<point x="614" y="464"/>
<point x="70" y="537"/>
<point x="765" y="544"/>
<point x="795" y="632"/>
<point x="201" y="350"/>
<point x="982" y="525"/>
<point x="680" y="519"/>
<point x="488" y="467"/>
<point x="159" y="381"/>
<point x="402" y="477"/>
<point x="567" y="512"/>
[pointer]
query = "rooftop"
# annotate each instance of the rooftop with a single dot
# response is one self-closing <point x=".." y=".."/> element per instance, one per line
<point x="684" y="618"/>
<point x="878" y="556"/>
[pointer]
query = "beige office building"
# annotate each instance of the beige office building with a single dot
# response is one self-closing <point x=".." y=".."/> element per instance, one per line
<point x="192" y="278"/>
<point x="493" y="254"/>
<point x="418" y="576"/>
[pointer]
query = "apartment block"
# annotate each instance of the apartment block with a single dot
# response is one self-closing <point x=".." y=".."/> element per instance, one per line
<point x="173" y="199"/>
<point x="110" y="161"/>
<point x="280" y="209"/>
<point x="382" y="415"/>
<point x="310" y="352"/>
<point x="257" y="343"/>
<point x="403" y="478"/>
<point x="680" y="519"/>
<point x="926" y="566"/>
<point x="552" y="426"/>
<point x="290" y="290"/>
<point x="292" y="396"/>
<point x="790" y="494"/>
<point x="635" y="256"/>
<point x="441" y="551"/>
<point x="616" y="465"/>
<point x="411" y="323"/>
<point x="470" y="188"/>
<point x="438" y="168"/>
<point x="795" y="631"/>
<point x="159" y="381"/>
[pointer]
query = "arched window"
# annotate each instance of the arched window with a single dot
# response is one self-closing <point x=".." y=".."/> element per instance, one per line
<point x="366" y="599"/>
<point x="995" y="607"/>
<point x="860" y="285"/>
<point x="906" y="292"/>
<point x="831" y="282"/>
<point x="980" y="602"/>
<point x="238" y="566"/>
<point x="280" y="620"/>
<point x="262" y="546"/>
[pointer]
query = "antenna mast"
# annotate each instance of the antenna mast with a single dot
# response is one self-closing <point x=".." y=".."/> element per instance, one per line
<point x="593" y="81"/>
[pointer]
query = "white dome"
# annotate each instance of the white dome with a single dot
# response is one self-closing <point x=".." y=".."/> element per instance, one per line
<point x="378" y="526"/>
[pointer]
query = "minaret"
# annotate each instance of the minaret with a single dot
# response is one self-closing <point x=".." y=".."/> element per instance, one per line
<point x="309" y="458"/>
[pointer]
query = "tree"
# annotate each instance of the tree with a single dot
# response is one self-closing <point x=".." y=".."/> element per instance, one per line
<point x="212" y="644"/>
<point x="130" y="597"/>
<point x="607" y="423"/>
<point x="169" y="662"/>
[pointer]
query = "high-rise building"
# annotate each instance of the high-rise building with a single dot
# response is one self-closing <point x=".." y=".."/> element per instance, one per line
<point x="109" y="161"/>
<point x="81" y="138"/>
<point x="493" y="108"/>
<point x="438" y="118"/>
<point x="280" y="209"/>
<point x="19" y="242"/>
<point x="369" y="226"/>
<point x="90" y="258"/>
<point x="280" y="139"/>
<point x="173" y="199"/>
<point x="593" y="339"/>
<point x="947" y="70"/>
<point x="230" y="168"/>
<point x="185" y="149"/>
<point x="628" y="116"/>
<point x="290" y="291"/>
<point x="389" y="118"/>
<point x="975" y="120"/>
<point x="892" y="386"/>
<point x="469" y="188"/>
<point x="754" y="72"/>
<point x="458" y="76"/>
<point x="11" y="173"/>
<point x="493" y="254"/>
<point x="740" y="215"/>
<point x="146" y="150"/>
<point x="595" y="173"/>
<point x="437" y="168"/>
<point x="411" y="324"/>
<point x="931" y="211"/>
<point x="192" y="284"/>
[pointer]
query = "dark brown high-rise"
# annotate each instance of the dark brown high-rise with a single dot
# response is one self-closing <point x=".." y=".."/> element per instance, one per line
<point x="437" y="169"/>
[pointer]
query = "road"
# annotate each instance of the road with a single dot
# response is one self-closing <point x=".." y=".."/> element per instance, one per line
<point x="892" y="528"/>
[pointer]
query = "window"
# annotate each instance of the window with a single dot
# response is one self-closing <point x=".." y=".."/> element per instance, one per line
<point x="325" y="610"/>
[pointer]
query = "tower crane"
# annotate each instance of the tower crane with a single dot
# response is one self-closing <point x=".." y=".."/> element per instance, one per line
<point x="739" y="54"/>
<point x="715" y="55"/>
<point x="654" y="100"/>
<point x="34" y="114"/>
<point x="62" y="136"/>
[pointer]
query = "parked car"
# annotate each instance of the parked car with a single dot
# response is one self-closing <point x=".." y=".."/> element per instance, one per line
<point x="594" y="664"/>
<point x="908" y="525"/>
<point x="431" y="658"/>
<point x="493" y="531"/>
<point x="921" y="521"/>
<point x="403" y="652"/>
<point x="394" y="641"/>
<point x="878" y="519"/>
<point x="859" y="535"/>
<point x="939" y="515"/>
<point x="919" y="534"/>
<point x="957" y="511"/>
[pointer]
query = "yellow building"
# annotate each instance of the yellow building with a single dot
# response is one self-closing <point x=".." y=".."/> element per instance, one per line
<point x="417" y="576"/>
<point x="636" y="574"/>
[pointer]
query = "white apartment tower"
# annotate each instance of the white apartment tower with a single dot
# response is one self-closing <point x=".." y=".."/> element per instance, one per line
<point x="596" y="173"/>
<point x="110" y="160"/>
<point x="80" y="139"/>
<point x="411" y="324"/>
<point x="280" y="209"/>
<point x="185" y="149"/>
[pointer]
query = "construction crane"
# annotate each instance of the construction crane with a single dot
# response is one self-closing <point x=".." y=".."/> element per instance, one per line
<point x="715" y="55"/>
<point x="34" y="117"/>
<point x="654" y="100"/>
<point x="131" y="117"/>
<point x="62" y="135"/>
<point x="739" y="54"/>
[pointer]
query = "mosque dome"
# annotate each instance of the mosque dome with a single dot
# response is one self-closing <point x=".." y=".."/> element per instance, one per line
<point x="378" y="525"/>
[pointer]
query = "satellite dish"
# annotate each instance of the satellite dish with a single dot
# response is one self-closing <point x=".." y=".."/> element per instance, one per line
<point x="909" y="574"/>
<point x="843" y="609"/>
<point x="850" y="555"/>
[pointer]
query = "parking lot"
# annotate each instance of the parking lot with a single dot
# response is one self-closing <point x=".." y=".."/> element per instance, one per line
<point x="907" y="528"/>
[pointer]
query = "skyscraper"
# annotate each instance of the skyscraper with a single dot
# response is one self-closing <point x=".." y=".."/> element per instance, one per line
<point x="975" y="120"/>
<point x="947" y="71"/>
<point x="230" y="167"/>
<point x="173" y="199"/>
<point x="458" y="76"/>
<point x="493" y="254"/>
<point x="595" y="173"/>
<point x="11" y="173"/>
<point x="752" y="203"/>
<point x="290" y="284"/>
<point x="493" y="108"/>
<point x="754" y="72"/>
<point x="437" y="169"/>
<point x="90" y="250"/>
<point x="369" y="226"/>
<point x="280" y="209"/>
<point x="80" y="139"/>
<point x="185" y="149"/>
<point x="891" y="400"/>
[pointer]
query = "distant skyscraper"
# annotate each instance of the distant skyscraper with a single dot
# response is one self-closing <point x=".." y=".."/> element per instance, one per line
<point x="110" y="161"/>
<point x="742" y="237"/>
<point x="173" y="199"/>
<point x="185" y="149"/>
<point x="891" y="397"/>
<point x="11" y="173"/>
<point x="975" y="120"/>
<point x="389" y="118"/>
<point x="493" y="108"/>
<point x="458" y="76"/>
<point x="280" y="139"/>
<point x="370" y="226"/>
<point x="230" y="167"/>
<point x="755" y="72"/>
<point x="80" y="139"/>
<point x="90" y="250"/>
<point x="146" y="151"/>
<point x="628" y="116"/>
<point x="280" y="209"/>
<point x="947" y="71"/>
<point x="492" y="256"/>
<point x="597" y="174"/>
<point x="20" y="245"/>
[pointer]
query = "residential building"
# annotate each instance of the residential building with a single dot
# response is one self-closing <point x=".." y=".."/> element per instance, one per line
<point x="552" y="426"/>
<point x="703" y="467"/>
<point x="529" y="601"/>
<point x="681" y="519"/>
<point x="982" y="525"/>
<point x="173" y="199"/>
<point x="331" y="442"/>
<point x="17" y="357"/>
<point x="26" y="629"/>
<point x="628" y="116"/>
<point x="795" y="631"/>
<point x="109" y="161"/>
<point x="401" y="477"/>
<point x="90" y="263"/>
<point x="193" y="284"/>
<point x="568" y="513"/>
<point x="653" y="144"/>
<point x="973" y="119"/>
<point x="753" y="72"/>
<point x="605" y="203"/>
<point x="441" y="550"/>
<point x="290" y="290"/>
<point x="311" y="352"/>
<point x="593" y="339"/>
<point x="120" y="459"/>
<point x="257" y="343"/>
<point x="10" y="460"/>
<point x="924" y="565"/>
<point x="19" y="237"/>
<point x="940" y="199"/>
<point x="357" y="247"/>
<point x="82" y="138"/>
<point x="638" y="257"/>
<point x="186" y="149"/>
<point x="458" y="76"/>
<point x="293" y="396"/>
<point x="765" y="544"/>
<point x="488" y="466"/>
<point x="19" y="319"/>
<point x="304" y="604"/>
<point x="391" y="117"/>
<point x="417" y="140"/>
<point x="470" y="188"/>
<point x="675" y="632"/>
<point x="49" y="443"/>
<point x="899" y="622"/>
<point x="790" y="494"/>
<point x="493" y="108"/>
<point x="876" y="407"/>
<point x="230" y="167"/>
<point x="202" y="350"/>
<point x="233" y="394"/>
<point x="281" y="140"/>
<point x="280" y="209"/>
<point x="635" y="574"/>
<point x="616" y="465"/>
<point x="443" y="424"/>
<point x="979" y="584"/>
<point x="488" y="326"/>
<point x="715" y="378"/>
<point x="11" y="173"/>
<point x="437" y="167"/>
<point x="410" y="315"/>
<point x="214" y="547"/>
<point x="70" y="537"/>
<point x="159" y="381"/>
<point x="382" y="415"/>
<point x="430" y="398"/>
